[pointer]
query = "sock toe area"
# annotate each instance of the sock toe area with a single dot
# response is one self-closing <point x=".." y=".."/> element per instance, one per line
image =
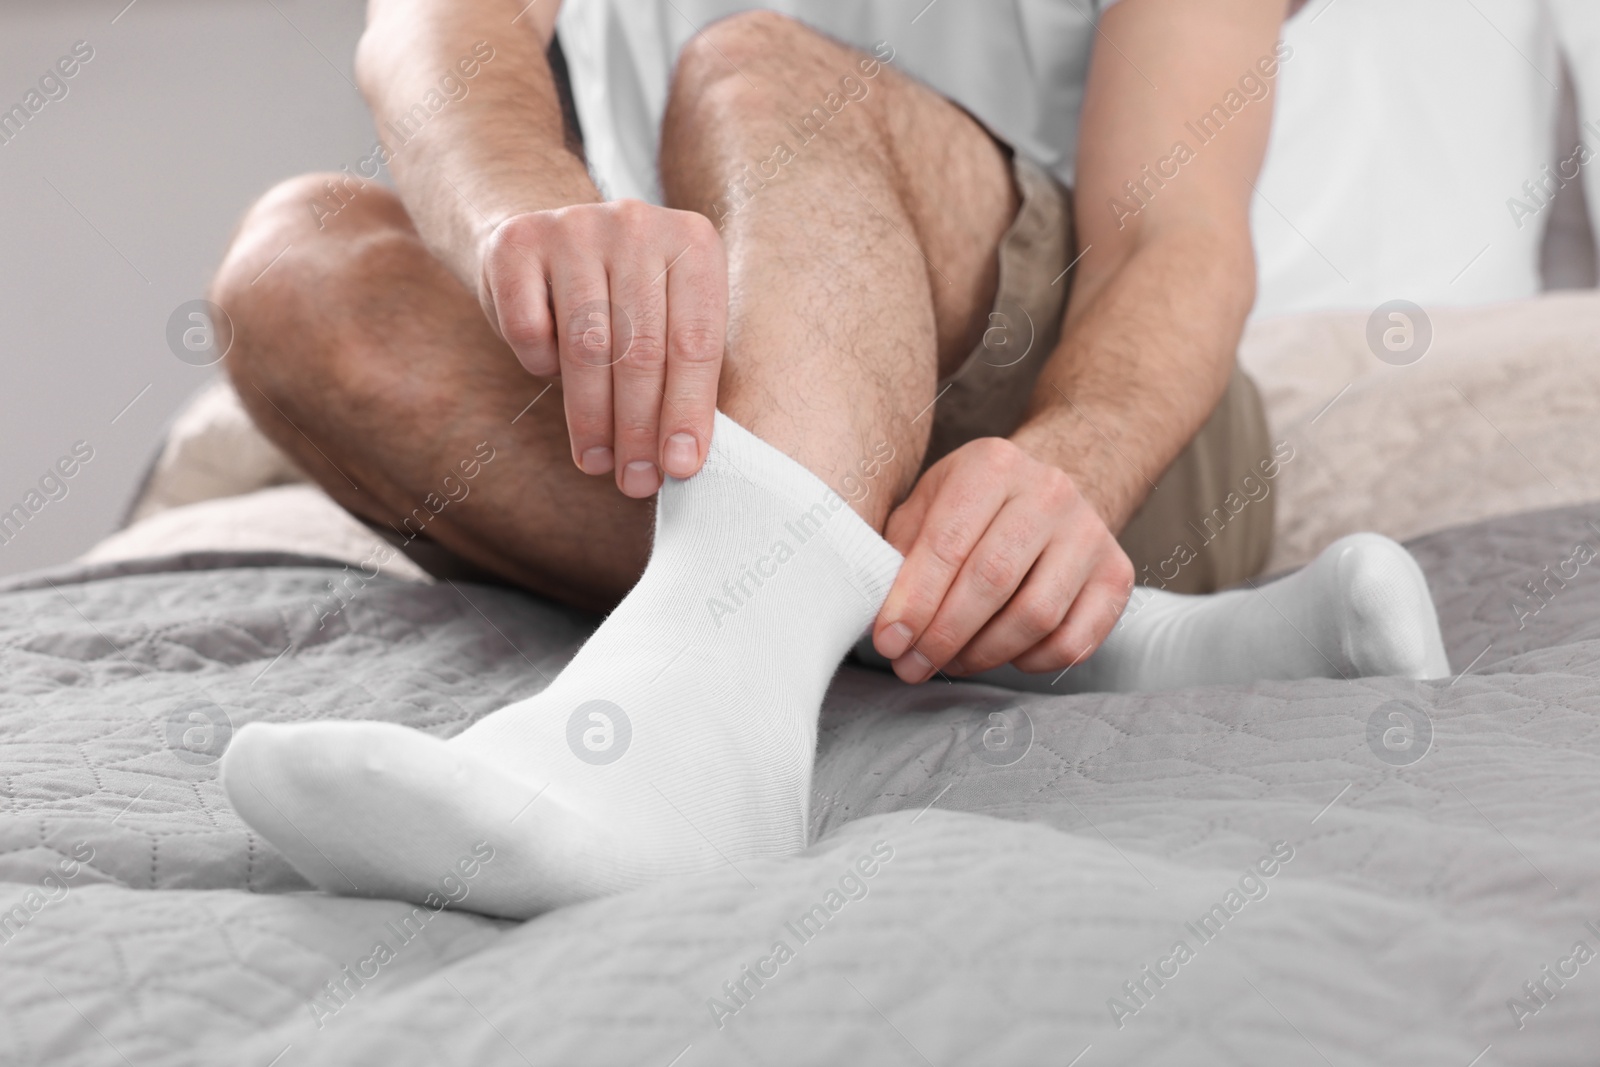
<point x="326" y="789"/>
<point x="1390" y="624"/>
<point x="361" y="808"/>
<point x="319" y="763"/>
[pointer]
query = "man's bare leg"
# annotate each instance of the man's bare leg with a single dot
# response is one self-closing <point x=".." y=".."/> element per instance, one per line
<point x="854" y="278"/>
<point x="682" y="735"/>
<point x="369" y="364"/>
<point x="362" y="357"/>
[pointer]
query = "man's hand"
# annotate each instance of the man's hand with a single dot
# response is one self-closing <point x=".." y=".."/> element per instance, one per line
<point x="1006" y="562"/>
<point x="627" y="303"/>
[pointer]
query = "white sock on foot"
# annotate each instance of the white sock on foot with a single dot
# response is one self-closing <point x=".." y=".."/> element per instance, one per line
<point x="1361" y="608"/>
<point x="679" y="739"/>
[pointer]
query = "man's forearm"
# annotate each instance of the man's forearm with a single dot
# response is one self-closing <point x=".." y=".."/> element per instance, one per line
<point x="1145" y="354"/>
<point x="469" y="153"/>
<point x="1162" y="292"/>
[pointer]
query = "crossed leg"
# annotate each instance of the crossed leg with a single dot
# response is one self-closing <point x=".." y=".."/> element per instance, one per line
<point x="367" y="362"/>
<point x="682" y="735"/>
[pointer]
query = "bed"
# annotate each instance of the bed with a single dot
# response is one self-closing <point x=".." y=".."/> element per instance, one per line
<point x="1326" y="872"/>
<point x="1359" y="872"/>
<point x="1372" y="871"/>
<point x="1339" y="872"/>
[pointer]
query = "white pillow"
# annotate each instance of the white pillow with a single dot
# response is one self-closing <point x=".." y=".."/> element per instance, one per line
<point x="1401" y="131"/>
<point x="1578" y="29"/>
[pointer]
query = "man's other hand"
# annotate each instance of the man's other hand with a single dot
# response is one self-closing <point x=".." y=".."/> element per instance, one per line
<point x="1006" y="562"/>
<point x="627" y="303"/>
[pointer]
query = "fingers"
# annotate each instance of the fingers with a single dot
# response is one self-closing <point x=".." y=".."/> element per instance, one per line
<point x="628" y="303"/>
<point x="1034" y="612"/>
<point x="638" y="314"/>
<point x="995" y="569"/>
<point x="697" y="320"/>
<point x="518" y="285"/>
<point x="1005" y="562"/>
<point x="1093" y="615"/>
<point x="955" y="521"/>
<point x="905" y="522"/>
<point x="665" y="377"/>
<point x="583" y="313"/>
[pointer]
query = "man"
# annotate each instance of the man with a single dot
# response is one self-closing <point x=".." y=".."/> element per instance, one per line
<point x="396" y="382"/>
<point x="850" y="317"/>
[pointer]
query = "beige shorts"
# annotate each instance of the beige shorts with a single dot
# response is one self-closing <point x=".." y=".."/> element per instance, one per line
<point x="1208" y="522"/>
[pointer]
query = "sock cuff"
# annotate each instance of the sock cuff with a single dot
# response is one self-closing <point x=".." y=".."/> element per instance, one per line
<point x="736" y="452"/>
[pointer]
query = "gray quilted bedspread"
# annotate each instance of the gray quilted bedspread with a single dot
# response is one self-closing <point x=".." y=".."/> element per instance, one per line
<point x="1322" y="872"/>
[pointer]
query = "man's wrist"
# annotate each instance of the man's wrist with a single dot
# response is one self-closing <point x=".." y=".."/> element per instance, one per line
<point x="1066" y="436"/>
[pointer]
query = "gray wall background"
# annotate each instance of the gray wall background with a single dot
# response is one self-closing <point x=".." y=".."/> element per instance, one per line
<point x="117" y="202"/>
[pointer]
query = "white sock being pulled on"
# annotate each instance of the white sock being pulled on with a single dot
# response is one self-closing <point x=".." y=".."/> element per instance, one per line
<point x="679" y="739"/>
<point x="1361" y="608"/>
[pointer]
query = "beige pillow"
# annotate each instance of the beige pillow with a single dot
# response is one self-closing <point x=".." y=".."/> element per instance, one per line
<point x="284" y="518"/>
<point x="213" y="450"/>
<point x="1502" y="414"/>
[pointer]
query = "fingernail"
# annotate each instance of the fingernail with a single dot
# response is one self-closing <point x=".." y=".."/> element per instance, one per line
<point x="639" y="478"/>
<point x="681" y="455"/>
<point x="913" y="667"/>
<point x="894" y="640"/>
<point x="595" y="460"/>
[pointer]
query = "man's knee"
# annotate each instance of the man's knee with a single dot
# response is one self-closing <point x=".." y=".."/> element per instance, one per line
<point x="727" y="61"/>
<point x="306" y="206"/>
<point x="311" y="242"/>
<point x="292" y="218"/>
<point x="745" y="39"/>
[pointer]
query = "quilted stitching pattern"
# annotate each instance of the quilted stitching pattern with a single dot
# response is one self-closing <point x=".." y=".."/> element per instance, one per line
<point x="1019" y="900"/>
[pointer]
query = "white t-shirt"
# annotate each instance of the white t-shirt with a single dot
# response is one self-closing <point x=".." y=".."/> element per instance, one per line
<point x="1400" y="130"/>
<point x="1018" y="65"/>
